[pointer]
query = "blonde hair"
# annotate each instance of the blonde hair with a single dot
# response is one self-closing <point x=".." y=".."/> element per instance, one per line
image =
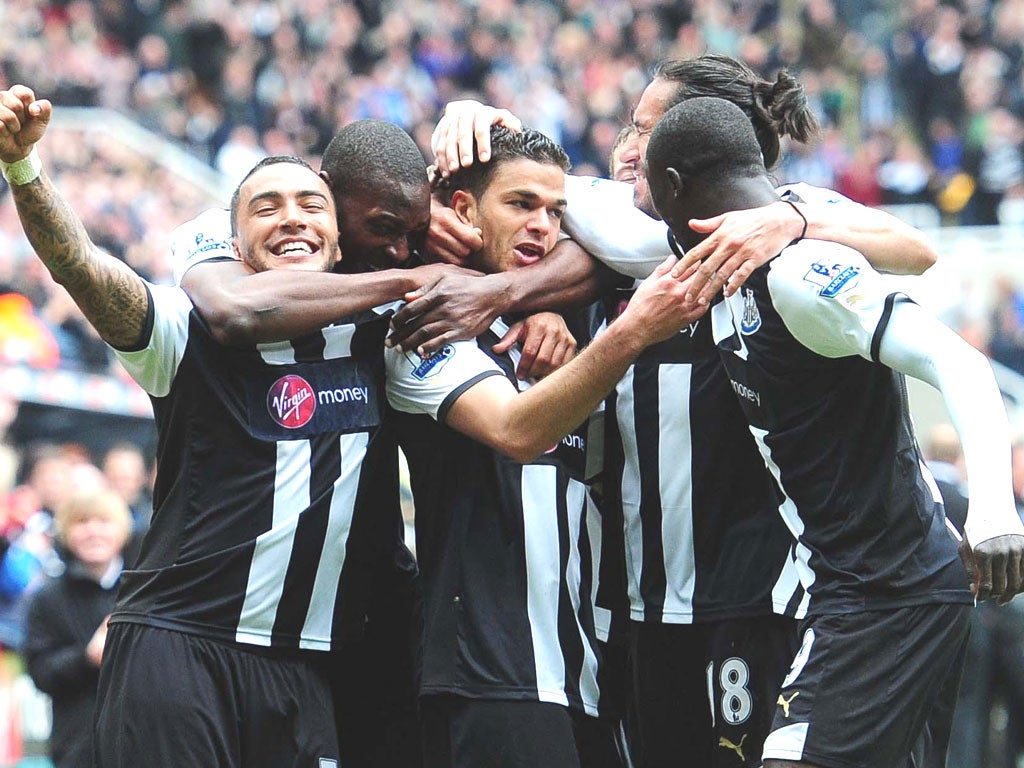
<point x="93" y="503"/>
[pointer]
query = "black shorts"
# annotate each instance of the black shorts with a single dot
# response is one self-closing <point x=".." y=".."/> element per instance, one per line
<point x="864" y="686"/>
<point x="738" y="663"/>
<point x="374" y="680"/>
<point x="171" y="699"/>
<point x="460" y="732"/>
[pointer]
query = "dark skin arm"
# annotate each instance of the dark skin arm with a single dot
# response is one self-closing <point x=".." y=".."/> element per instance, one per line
<point x="565" y="277"/>
<point x="242" y="307"/>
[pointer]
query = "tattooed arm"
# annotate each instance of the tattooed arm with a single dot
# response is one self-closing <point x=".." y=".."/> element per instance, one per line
<point x="112" y="296"/>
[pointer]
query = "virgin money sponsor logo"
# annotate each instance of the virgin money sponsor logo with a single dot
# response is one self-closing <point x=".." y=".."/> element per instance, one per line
<point x="291" y="402"/>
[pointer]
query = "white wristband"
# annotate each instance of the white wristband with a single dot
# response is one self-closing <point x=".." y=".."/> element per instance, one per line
<point x="22" y="171"/>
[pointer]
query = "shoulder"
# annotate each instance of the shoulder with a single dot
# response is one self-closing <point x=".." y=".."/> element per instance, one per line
<point x="812" y="270"/>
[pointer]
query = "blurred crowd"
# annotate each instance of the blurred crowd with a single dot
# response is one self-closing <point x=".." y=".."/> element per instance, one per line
<point x="920" y="102"/>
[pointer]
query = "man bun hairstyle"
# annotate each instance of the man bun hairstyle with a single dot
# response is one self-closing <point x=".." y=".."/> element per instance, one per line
<point x="705" y="136"/>
<point x="506" y="145"/>
<point x="775" y="109"/>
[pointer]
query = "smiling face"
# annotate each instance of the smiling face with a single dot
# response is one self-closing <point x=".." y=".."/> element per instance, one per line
<point x="654" y="102"/>
<point x="519" y="214"/>
<point x="381" y="229"/>
<point x="285" y="219"/>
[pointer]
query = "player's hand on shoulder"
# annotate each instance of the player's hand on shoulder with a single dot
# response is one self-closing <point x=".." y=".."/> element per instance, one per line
<point x="659" y="307"/>
<point x="23" y="121"/>
<point x="738" y="242"/>
<point x="995" y="567"/>
<point x="463" y="122"/>
<point x="456" y="306"/>
<point x="546" y="344"/>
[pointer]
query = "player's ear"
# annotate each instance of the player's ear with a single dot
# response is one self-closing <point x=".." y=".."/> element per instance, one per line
<point x="464" y="205"/>
<point x="675" y="181"/>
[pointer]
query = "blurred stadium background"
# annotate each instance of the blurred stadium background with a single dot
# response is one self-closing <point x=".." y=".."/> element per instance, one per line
<point x="163" y="104"/>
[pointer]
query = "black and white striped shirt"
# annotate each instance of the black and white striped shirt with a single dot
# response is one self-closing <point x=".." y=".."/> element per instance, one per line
<point x="504" y="548"/>
<point x="703" y="538"/>
<point x="273" y="480"/>
<point x="833" y="427"/>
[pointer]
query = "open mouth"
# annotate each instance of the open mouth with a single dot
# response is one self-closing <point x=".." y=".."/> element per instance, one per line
<point x="294" y="249"/>
<point x="528" y="253"/>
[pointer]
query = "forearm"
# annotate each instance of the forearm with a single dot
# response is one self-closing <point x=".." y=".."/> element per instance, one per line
<point x="918" y="345"/>
<point x="888" y="243"/>
<point x="244" y="308"/>
<point x="553" y="407"/>
<point x="111" y="296"/>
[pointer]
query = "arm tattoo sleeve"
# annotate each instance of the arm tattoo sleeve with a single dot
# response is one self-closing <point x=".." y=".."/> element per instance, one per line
<point x="110" y="294"/>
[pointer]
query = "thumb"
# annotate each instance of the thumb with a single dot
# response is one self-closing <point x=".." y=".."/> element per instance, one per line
<point x="704" y="226"/>
<point x="512" y="335"/>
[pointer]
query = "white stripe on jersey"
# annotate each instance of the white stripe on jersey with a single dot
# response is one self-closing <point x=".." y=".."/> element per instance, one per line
<point x="316" y="631"/>
<point x="338" y="341"/>
<point x="602" y="615"/>
<point x="274" y="547"/>
<point x="576" y="500"/>
<point x="277" y="353"/>
<point x="791" y="516"/>
<point x="632" y="530"/>
<point x="543" y="569"/>
<point x="787" y="584"/>
<point x="675" y="482"/>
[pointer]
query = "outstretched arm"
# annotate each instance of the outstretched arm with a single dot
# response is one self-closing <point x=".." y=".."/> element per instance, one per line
<point x="242" y="307"/>
<point x="112" y="297"/>
<point x="917" y="344"/>
<point x="740" y="241"/>
<point x="524" y="425"/>
<point x="565" y="277"/>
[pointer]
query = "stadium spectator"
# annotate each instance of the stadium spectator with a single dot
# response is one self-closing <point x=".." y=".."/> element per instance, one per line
<point x="125" y="468"/>
<point x="66" y="626"/>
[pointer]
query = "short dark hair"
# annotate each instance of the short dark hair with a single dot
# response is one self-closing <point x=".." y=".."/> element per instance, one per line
<point x="371" y="151"/>
<point x="706" y="137"/>
<point x="272" y="160"/>
<point x="774" y="109"/>
<point x="506" y="145"/>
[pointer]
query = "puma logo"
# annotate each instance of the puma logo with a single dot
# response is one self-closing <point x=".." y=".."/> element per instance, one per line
<point x="737" y="748"/>
<point x="784" y="703"/>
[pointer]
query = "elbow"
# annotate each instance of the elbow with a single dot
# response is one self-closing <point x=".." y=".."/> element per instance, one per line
<point x="926" y="256"/>
<point x="917" y="255"/>
<point x="525" y="448"/>
<point x="236" y="331"/>
<point x="231" y="324"/>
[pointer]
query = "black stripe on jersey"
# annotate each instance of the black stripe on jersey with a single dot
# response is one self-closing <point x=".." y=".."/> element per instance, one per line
<point x="310" y="537"/>
<point x="309" y="348"/>
<point x="883" y="322"/>
<point x="568" y="629"/>
<point x="646" y="411"/>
